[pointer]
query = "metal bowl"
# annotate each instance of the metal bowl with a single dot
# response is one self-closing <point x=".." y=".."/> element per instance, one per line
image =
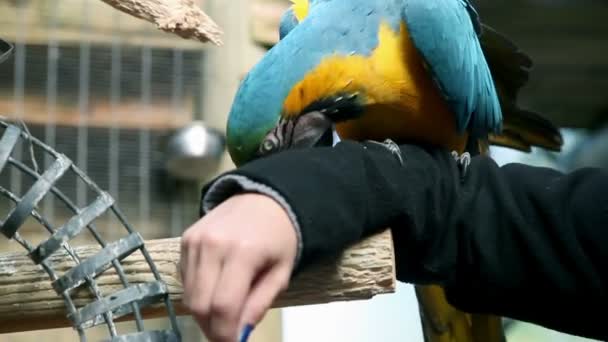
<point x="194" y="152"/>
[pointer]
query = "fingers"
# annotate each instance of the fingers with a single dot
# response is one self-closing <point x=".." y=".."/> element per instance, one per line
<point x="265" y="290"/>
<point x="231" y="271"/>
<point x="190" y="251"/>
<point x="205" y="279"/>
<point x="202" y="255"/>
<point x="231" y="292"/>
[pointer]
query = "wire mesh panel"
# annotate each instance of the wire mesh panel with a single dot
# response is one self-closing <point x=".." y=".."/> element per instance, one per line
<point x="105" y="308"/>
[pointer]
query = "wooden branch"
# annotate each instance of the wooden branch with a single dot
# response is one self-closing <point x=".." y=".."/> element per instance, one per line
<point x="28" y="302"/>
<point x="181" y="17"/>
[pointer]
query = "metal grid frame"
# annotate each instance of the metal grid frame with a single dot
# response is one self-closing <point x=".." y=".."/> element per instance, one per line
<point x="104" y="309"/>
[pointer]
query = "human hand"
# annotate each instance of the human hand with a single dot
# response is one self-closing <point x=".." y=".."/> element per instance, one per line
<point x="234" y="262"/>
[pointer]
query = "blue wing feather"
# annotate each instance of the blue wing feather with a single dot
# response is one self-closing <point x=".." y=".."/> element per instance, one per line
<point x="474" y="16"/>
<point x="446" y="34"/>
<point x="288" y="22"/>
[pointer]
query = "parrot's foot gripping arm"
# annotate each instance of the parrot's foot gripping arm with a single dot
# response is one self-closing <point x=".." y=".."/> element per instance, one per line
<point x="392" y="147"/>
<point x="463" y="160"/>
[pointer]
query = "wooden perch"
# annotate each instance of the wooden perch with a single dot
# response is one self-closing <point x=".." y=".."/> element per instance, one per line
<point x="28" y="302"/>
<point x="181" y="17"/>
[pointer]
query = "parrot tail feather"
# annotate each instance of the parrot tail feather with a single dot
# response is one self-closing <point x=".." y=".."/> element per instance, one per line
<point x="523" y="129"/>
<point x="510" y="66"/>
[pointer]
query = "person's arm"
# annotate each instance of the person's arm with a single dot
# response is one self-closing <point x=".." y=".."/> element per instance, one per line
<point x="517" y="241"/>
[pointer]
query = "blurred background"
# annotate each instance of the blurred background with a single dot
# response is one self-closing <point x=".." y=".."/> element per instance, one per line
<point x="117" y="96"/>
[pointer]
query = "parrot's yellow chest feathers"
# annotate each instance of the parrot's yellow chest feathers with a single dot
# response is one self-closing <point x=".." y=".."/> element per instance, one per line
<point x="380" y="76"/>
<point x="400" y="100"/>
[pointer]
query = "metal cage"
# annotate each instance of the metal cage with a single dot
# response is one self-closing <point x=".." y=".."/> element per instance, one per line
<point x="105" y="308"/>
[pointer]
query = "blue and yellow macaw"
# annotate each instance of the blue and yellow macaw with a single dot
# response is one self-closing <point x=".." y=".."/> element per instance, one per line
<point x="404" y="70"/>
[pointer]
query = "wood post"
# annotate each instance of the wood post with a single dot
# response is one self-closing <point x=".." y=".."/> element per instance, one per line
<point x="28" y="302"/>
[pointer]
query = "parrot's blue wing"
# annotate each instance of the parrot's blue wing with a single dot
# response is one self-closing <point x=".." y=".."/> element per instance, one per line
<point x="474" y="16"/>
<point x="446" y="34"/>
<point x="288" y="22"/>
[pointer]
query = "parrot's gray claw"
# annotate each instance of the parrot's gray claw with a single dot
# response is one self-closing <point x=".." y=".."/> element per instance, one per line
<point x="391" y="146"/>
<point x="463" y="160"/>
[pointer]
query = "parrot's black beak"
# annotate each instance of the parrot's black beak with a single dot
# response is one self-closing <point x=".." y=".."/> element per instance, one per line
<point x="315" y="127"/>
<point x="312" y="129"/>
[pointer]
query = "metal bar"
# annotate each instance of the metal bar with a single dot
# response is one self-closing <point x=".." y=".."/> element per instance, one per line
<point x="90" y="281"/>
<point x="115" y="263"/>
<point x="119" y="303"/>
<point x="43" y="222"/>
<point x="83" y="104"/>
<point x="35" y="213"/>
<point x="49" y="270"/>
<point x="127" y="309"/>
<point x="93" y="230"/>
<point x="178" y="81"/>
<point x="62" y="197"/>
<point x="72" y="228"/>
<point x="19" y="88"/>
<point x="149" y="336"/>
<point x="33" y="139"/>
<point x="115" y="92"/>
<point x="177" y="107"/>
<point x="144" y="137"/>
<point x="50" y="131"/>
<point x="98" y="263"/>
<point x="8" y="143"/>
<point x="170" y="309"/>
<point x="21" y="212"/>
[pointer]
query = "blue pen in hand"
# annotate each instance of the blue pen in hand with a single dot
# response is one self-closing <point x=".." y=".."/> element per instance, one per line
<point x="245" y="333"/>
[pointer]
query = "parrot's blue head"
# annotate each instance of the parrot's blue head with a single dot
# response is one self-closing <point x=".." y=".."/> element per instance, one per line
<point x="259" y="102"/>
<point x="307" y="72"/>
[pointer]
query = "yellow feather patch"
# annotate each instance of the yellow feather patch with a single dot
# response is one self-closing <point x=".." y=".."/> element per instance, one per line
<point x="386" y="76"/>
<point x="401" y="100"/>
<point x="300" y="9"/>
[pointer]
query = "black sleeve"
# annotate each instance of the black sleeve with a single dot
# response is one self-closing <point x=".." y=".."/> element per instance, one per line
<point x="516" y="241"/>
